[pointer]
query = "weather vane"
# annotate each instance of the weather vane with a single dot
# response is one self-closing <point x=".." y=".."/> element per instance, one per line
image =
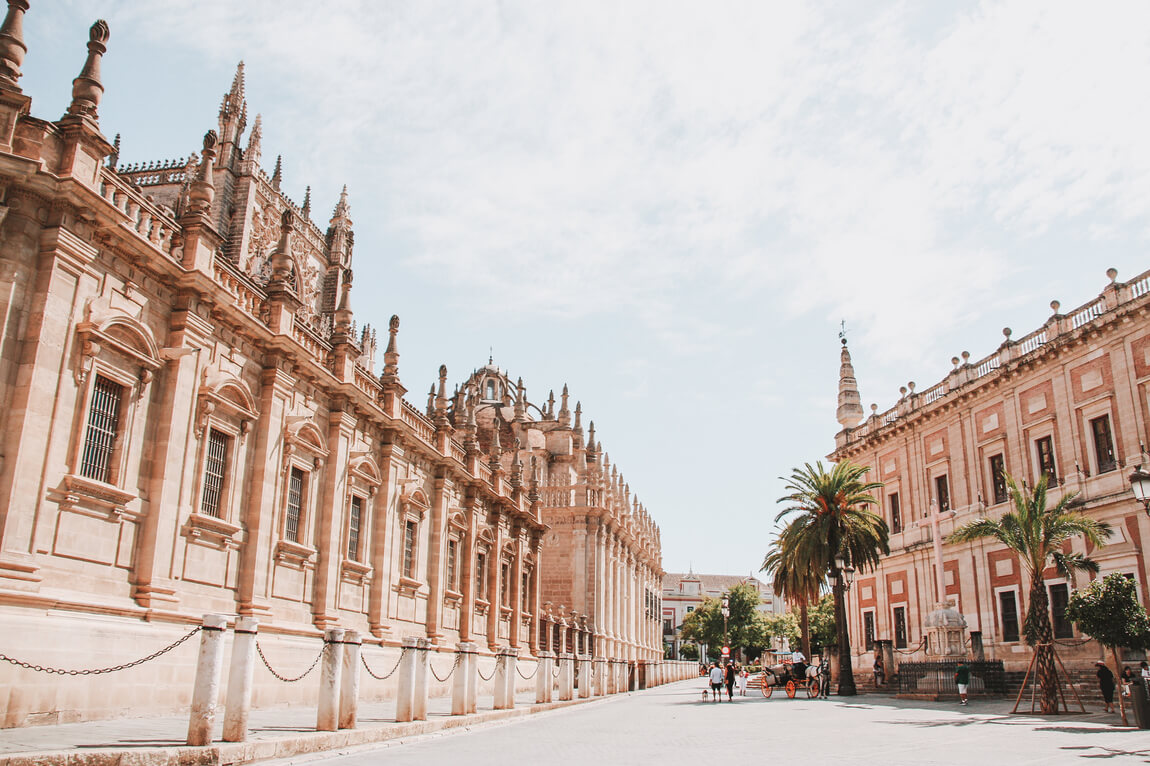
<point x="843" y="331"/>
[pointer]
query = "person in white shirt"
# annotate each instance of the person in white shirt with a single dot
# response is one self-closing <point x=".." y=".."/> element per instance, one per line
<point x="716" y="677"/>
<point x="741" y="680"/>
<point x="1145" y="669"/>
<point x="798" y="656"/>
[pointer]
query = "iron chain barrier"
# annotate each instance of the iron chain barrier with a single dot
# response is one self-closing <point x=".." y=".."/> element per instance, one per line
<point x="280" y="676"/>
<point x="533" y="672"/>
<point x="389" y="673"/>
<point x="101" y="671"/>
<point x="487" y="678"/>
<point x="458" y="657"/>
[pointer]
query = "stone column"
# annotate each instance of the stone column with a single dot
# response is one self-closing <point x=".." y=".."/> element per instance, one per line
<point x="207" y="689"/>
<point x="436" y="541"/>
<point x="327" y="716"/>
<point x="405" y="683"/>
<point x="330" y="509"/>
<point x="349" y="680"/>
<point x="419" y="700"/>
<point x="465" y="650"/>
<point x="238" y="702"/>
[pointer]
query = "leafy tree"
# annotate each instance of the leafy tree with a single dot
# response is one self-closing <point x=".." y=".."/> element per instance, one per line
<point x="1108" y="611"/>
<point x="823" y="631"/>
<point x="783" y="626"/>
<point x="833" y="519"/>
<point x="689" y="651"/>
<point x="1036" y="533"/>
<point x="705" y="624"/>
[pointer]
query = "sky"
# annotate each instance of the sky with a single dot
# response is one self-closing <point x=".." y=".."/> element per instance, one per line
<point x="672" y="206"/>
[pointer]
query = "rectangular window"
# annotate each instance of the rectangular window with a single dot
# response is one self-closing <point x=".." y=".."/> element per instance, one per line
<point x="409" y="530"/>
<point x="294" y="505"/>
<point x="355" y="519"/>
<point x="505" y="583"/>
<point x="525" y="592"/>
<point x="1103" y="444"/>
<point x="215" y="466"/>
<point x="1008" y="608"/>
<point x="998" y="478"/>
<point x="103" y="430"/>
<point x="942" y="493"/>
<point x="1045" y="447"/>
<point x="895" y="512"/>
<point x="868" y="630"/>
<point x="1059" y="595"/>
<point x="668" y="626"/>
<point x="481" y="575"/>
<point x="452" y="557"/>
<point x="690" y="609"/>
<point x="900" y="627"/>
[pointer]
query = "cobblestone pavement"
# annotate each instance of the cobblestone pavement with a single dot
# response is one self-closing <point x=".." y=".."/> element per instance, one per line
<point x="669" y="725"/>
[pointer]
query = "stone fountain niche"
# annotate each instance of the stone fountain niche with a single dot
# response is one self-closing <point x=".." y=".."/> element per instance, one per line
<point x="946" y="631"/>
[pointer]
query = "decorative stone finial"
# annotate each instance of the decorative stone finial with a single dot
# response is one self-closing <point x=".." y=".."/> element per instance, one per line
<point x="850" y="411"/>
<point x="305" y="208"/>
<point x="12" y="47"/>
<point x="203" y="191"/>
<point x="1006" y="332"/>
<point x="1054" y="306"/>
<point x="281" y="258"/>
<point x="954" y="361"/>
<point x="1112" y="273"/>
<point x="252" y="153"/>
<point x="114" y="157"/>
<point x="341" y="216"/>
<point x="277" y="173"/>
<point x="87" y="88"/>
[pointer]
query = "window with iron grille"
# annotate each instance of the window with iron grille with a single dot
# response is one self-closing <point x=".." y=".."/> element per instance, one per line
<point x="215" y="464"/>
<point x="1045" y="447"/>
<point x="895" y="513"/>
<point x="942" y="493"/>
<point x="103" y="429"/>
<point x="868" y="630"/>
<point x="504" y="584"/>
<point x="1103" y="444"/>
<point x="409" y="549"/>
<point x="1059" y="596"/>
<point x="998" y="478"/>
<point x="1009" y="609"/>
<point x="452" y="557"/>
<point x="525" y="593"/>
<point x="481" y="575"/>
<point x="294" y="505"/>
<point x="900" y="627"/>
<point x="355" y="519"/>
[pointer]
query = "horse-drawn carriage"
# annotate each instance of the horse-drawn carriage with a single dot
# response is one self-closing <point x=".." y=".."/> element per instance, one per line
<point x="793" y="677"/>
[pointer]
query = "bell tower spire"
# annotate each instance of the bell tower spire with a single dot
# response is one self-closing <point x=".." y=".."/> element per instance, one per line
<point x="850" y="412"/>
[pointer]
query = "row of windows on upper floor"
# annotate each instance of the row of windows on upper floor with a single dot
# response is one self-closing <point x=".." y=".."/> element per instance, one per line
<point x="102" y="444"/>
<point x="1105" y="460"/>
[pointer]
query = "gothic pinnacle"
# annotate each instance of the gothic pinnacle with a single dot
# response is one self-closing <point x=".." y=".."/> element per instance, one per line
<point x="12" y="47"/>
<point x="87" y="88"/>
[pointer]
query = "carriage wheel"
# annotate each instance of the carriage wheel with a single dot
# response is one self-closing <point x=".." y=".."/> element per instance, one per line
<point x="791" y="689"/>
<point x="813" y="688"/>
<point x="766" y="687"/>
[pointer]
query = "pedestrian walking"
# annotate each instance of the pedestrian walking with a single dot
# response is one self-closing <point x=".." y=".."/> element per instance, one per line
<point x="741" y="680"/>
<point x="716" y="677"/>
<point x="1106" y="685"/>
<point x="879" y="668"/>
<point x="962" y="678"/>
<point x="729" y="677"/>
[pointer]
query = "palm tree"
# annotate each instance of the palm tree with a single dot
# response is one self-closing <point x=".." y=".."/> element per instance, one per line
<point x="799" y="582"/>
<point x="834" y="521"/>
<point x="1036" y="533"/>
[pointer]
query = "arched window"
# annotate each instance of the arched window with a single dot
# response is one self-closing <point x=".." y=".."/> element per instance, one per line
<point x="491" y="389"/>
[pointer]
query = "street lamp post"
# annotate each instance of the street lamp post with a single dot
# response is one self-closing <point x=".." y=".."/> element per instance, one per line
<point x="843" y="574"/>
<point x="726" y="614"/>
<point x="1140" y="484"/>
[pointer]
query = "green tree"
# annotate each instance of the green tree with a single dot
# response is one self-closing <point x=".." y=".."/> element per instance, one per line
<point x="1036" y="533"/>
<point x="705" y="624"/>
<point x="823" y="631"/>
<point x="1108" y="611"/>
<point x="795" y="578"/>
<point x="833" y="519"/>
<point x="783" y="626"/>
<point x="689" y="651"/>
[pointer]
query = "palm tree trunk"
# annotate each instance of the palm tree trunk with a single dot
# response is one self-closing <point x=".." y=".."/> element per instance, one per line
<point x="846" y="671"/>
<point x="1118" y="676"/>
<point x="1041" y="636"/>
<point x="805" y="627"/>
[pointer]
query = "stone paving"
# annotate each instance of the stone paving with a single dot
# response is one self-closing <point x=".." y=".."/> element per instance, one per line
<point x="669" y="725"/>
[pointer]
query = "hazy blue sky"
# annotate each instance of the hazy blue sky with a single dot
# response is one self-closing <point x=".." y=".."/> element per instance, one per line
<point x="670" y="206"/>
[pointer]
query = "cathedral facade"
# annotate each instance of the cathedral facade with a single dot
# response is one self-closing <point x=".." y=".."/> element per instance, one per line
<point x="1070" y="400"/>
<point x="194" y="423"/>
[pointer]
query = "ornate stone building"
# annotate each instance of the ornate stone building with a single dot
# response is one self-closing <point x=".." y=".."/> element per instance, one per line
<point x="193" y="422"/>
<point x="1071" y="400"/>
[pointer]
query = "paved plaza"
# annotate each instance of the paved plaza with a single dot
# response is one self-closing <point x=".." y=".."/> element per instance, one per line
<point x="669" y="725"/>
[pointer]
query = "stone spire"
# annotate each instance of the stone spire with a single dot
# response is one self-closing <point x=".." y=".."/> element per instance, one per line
<point x="87" y="88"/>
<point x="305" y="208"/>
<point x="12" y="47"/>
<point x="277" y="173"/>
<point x="339" y="235"/>
<point x="252" y="153"/>
<point x="564" y="413"/>
<point x="850" y="411"/>
<point x="391" y="353"/>
<point x="234" y="110"/>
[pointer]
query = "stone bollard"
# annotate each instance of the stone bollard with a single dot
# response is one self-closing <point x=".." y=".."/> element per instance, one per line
<point x="349" y="680"/>
<point x="503" y="680"/>
<point x="327" y="715"/>
<point x="465" y="651"/>
<point x="543" y="677"/>
<point x="238" y="701"/>
<point x="472" y="660"/>
<point x="207" y="688"/>
<point x="405" y="684"/>
<point x="419" y="703"/>
<point x="584" y="676"/>
<point x="600" y="670"/>
<point x="566" y="676"/>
